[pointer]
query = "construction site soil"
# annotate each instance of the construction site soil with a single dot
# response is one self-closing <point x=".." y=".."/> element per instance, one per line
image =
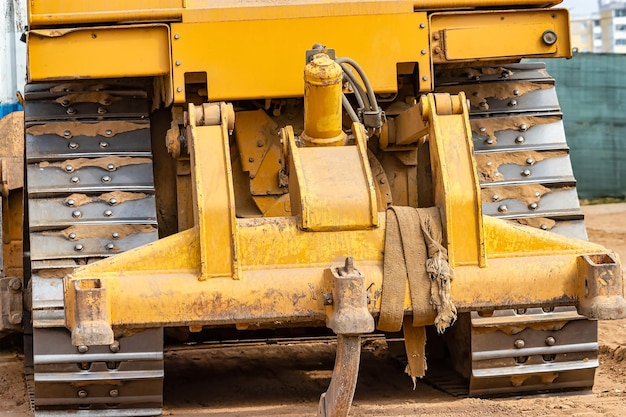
<point x="287" y="379"/>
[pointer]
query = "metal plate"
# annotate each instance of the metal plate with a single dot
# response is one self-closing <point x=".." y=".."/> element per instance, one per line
<point x="540" y="136"/>
<point x="51" y="180"/>
<point x="549" y="171"/>
<point x="51" y="110"/>
<point x="534" y="71"/>
<point x="52" y="147"/>
<point x="45" y="246"/>
<point x="54" y="213"/>
<point x="555" y="203"/>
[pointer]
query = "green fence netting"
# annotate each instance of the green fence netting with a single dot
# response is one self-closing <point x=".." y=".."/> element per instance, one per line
<point x="592" y="93"/>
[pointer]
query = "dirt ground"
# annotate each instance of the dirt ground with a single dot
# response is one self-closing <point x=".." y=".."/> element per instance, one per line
<point x="287" y="379"/>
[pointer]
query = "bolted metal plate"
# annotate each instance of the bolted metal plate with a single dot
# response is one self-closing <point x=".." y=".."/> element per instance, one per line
<point x="51" y="147"/>
<point x="55" y="213"/>
<point x="533" y="71"/>
<point x="46" y="246"/>
<point x="558" y="202"/>
<point x="533" y="101"/>
<point x="51" y="180"/>
<point x="134" y="106"/>
<point x="549" y="171"/>
<point x="540" y="136"/>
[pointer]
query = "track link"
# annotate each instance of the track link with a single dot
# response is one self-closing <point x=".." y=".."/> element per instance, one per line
<point x="526" y="176"/>
<point x="90" y="195"/>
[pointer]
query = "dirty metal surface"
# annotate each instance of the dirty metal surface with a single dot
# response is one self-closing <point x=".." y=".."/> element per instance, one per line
<point x="90" y="193"/>
<point x="525" y="176"/>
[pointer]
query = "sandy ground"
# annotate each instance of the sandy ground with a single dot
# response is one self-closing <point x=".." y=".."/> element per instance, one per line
<point x="287" y="379"/>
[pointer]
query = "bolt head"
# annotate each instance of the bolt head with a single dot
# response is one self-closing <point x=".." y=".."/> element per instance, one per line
<point x="77" y="214"/>
<point x="489" y="141"/>
<point x="550" y="341"/>
<point x="512" y="103"/>
<point x="115" y="235"/>
<point x="516" y="92"/>
<point x="519" y="140"/>
<point x="530" y="161"/>
<point x="69" y="168"/>
<point x="67" y="133"/>
<point x="114" y="393"/>
<point x="111" y="167"/>
<point x="106" y="179"/>
<point x="70" y="202"/>
<point x="82" y="349"/>
<point x="72" y="236"/>
<point x="503" y="209"/>
<point x="519" y="343"/>
<point x="108" y="132"/>
<point x="112" y="201"/>
<point x="15" y="284"/>
<point x="74" y="180"/>
<point x="104" y="145"/>
<point x="544" y="227"/>
<point x="70" y="111"/>
<point x="114" y="347"/>
<point x="526" y="173"/>
<point x="110" y="246"/>
<point x="72" y="145"/>
<point x="495" y="197"/>
<point x="523" y="127"/>
<point x="82" y="393"/>
<point x="482" y="129"/>
<point x="108" y="213"/>
<point x="533" y="206"/>
<point x="79" y="248"/>
<point x="102" y="110"/>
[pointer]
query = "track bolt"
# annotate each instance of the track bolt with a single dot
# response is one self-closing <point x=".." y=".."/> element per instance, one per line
<point x="115" y="235"/>
<point x="523" y="127"/>
<point x="15" y="284"/>
<point x="516" y="92"/>
<point x="114" y="393"/>
<point x="77" y="214"/>
<point x="69" y="168"/>
<point x="67" y="133"/>
<point x="550" y="341"/>
<point x="82" y="393"/>
<point x="484" y="105"/>
<point x="108" y="132"/>
<point x="70" y="203"/>
<point x="72" y="236"/>
<point x="106" y="178"/>
<point x="512" y="103"/>
<point x="489" y="141"/>
<point x="503" y="209"/>
<point x="73" y="145"/>
<point x="537" y="194"/>
<point x="104" y="145"/>
<point x="526" y="173"/>
<point x="112" y="201"/>
<point x="519" y="343"/>
<point x="530" y="161"/>
<point x="82" y="349"/>
<point x="114" y="347"/>
<point x="70" y="110"/>
<point x="74" y="180"/>
<point x="482" y="129"/>
<point x="489" y="163"/>
<point x="519" y="140"/>
<point x="533" y="206"/>
<point x="65" y="103"/>
<point x="544" y="227"/>
<point x="102" y="110"/>
<point x="111" y="167"/>
<point x="110" y="246"/>
<point x="260" y="144"/>
<point x="108" y="213"/>
<point x="79" y="248"/>
<point x="495" y="197"/>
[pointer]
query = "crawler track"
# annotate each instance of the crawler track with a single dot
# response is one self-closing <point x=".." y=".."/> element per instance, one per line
<point x="90" y="195"/>
<point x="526" y="176"/>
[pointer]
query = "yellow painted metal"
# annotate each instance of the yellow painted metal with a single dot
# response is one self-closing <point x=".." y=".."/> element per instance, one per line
<point x="332" y="188"/>
<point x="46" y="12"/>
<point x="456" y="187"/>
<point x="489" y="35"/>
<point x="284" y="270"/>
<point x="461" y="4"/>
<point x="322" y="102"/>
<point x="213" y="196"/>
<point x="248" y="66"/>
<point x="99" y="52"/>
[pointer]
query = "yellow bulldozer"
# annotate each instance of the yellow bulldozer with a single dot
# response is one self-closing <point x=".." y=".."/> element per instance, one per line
<point x="356" y="166"/>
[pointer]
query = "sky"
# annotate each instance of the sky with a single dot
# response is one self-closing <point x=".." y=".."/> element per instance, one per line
<point x="580" y="7"/>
